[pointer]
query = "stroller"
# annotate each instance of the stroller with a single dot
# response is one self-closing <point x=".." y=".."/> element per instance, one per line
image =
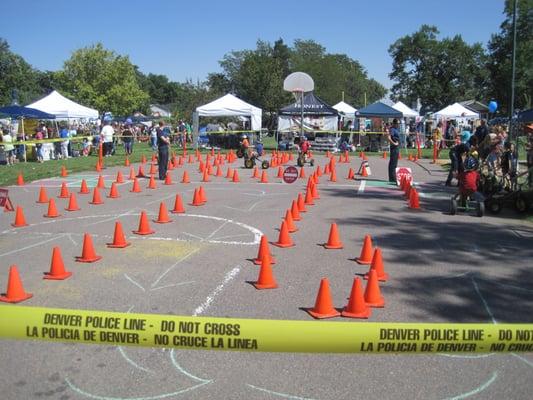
<point x="468" y="198"/>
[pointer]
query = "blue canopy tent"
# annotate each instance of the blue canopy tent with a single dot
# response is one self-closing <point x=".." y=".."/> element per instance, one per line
<point x="24" y="112"/>
<point x="526" y="115"/>
<point x="379" y="110"/>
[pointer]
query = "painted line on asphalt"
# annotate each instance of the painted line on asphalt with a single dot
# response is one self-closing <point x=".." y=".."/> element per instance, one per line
<point x="154" y="284"/>
<point x="33" y="245"/>
<point x="361" y="187"/>
<point x="284" y="395"/>
<point x="483" y="300"/>
<point x="477" y="390"/>
<point x="209" y="299"/>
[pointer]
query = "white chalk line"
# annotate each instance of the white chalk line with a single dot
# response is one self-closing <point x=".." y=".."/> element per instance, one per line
<point x="134" y="282"/>
<point x="228" y="278"/>
<point x="161" y="396"/>
<point x="125" y="356"/>
<point x="523" y="359"/>
<point x="477" y="390"/>
<point x="180" y="369"/>
<point x="195" y="236"/>
<point x="172" y="285"/>
<point x="483" y="300"/>
<point x="114" y="217"/>
<point x="215" y="231"/>
<point x="286" y="396"/>
<point x="468" y="357"/>
<point x="61" y="235"/>
<point x="154" y="284"/>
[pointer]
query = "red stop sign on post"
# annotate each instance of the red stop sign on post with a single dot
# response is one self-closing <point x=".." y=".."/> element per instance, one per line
<point x="290" y="174"/>
<point x="402" y="172"/>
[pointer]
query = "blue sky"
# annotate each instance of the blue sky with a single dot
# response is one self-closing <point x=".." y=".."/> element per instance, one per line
<point x="187" y="39"/>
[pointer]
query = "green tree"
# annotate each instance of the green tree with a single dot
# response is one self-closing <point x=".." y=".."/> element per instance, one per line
<point x="500" y="51"/>
<point x="101" y="79"/>
<point x="17" y="74"/>
<point x="439" y="72"/>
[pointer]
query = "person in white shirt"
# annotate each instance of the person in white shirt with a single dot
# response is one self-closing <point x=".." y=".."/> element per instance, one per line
<point x="107" y="138"/>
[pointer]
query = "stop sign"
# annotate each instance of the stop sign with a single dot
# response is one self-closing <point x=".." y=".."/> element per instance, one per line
<point x="290" y="174"/>
<point x="403" y="172"/>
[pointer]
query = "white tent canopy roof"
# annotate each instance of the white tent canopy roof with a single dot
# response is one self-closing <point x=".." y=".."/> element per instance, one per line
<point x="61" y="107"/>
<point x="229" y="106"/>
<point x="345" y="109"/>
<point x="406" y="111"/>
<point x="456" y="110"/>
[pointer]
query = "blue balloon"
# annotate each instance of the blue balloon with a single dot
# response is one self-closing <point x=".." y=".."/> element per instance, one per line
<point x="493" y="106"/>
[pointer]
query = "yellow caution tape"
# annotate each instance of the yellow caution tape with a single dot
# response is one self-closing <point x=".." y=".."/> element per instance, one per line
<point x="150" y="330"/>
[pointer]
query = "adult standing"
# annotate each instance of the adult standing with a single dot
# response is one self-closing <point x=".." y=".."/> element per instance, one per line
<point x="163" y="142"/>
<point x="127" y="138"/>
<point x="64" y="134"/>
<point x="107" y="137"/>
<point x="481" y="131"/>
<point x="393" y="137"/>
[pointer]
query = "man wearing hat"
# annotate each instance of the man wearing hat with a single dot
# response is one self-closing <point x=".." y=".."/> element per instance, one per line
<point x="393" y="137"/>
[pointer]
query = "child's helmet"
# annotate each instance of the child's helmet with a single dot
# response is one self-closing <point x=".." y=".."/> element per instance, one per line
<point x="471" y="163"/>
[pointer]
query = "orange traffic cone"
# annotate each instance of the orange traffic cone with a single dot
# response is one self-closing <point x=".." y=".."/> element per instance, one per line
<point x="52" y="211"/>
<point x="154" y="158"/>
<point x="163" y="215"/>
<point x="414" y="203"/>
<point x="20" y="221"/>
<point x="399" y="155"/>
<point x="185" y="178"/>
<point x="20" y="179"/>
<point x="280" y="173"/>
<point x="144" y="225"/>
<point x="205" y="176"/>
<point x="98" y="167"/>
<point x="120" y="177"/>
<point x="43" y="196"/>
<point x="119" y="240"/>
<point x="140" y="173"/>
<point x="127" y="162"/>
<point x="365" y="257"/>
<point x="314" y="192"/>
<point x="63" y="171"/>
<point x="136" y="188"/>
<point x="72" y="203"/>
<point x="290" y="223"/>
<point x="97" y="199"/>
<point x="377" y="265"/>
<point x="201" y="194"/>
<point x="57" y="267"/>
<point x="196" y="201"/>
<point x="333" y="175"/>
<point x="385" y="155"/>
<point x="300" y="203"/>
<point x="143" y="159"/>
<point x="132" y="174"/>
<point x="229" y="173"/>
<point x="113" y="192"/>
<point x="63" y="192"/>
<point x="302" y="173"/>
<point x="151" y="183"/>
<point x="235" y="178"/>
<point x="15" y="291"/>
<point x="152" y="169"/>
<point x="364" y="172"/>
<point x="309" y="197"/>
<point x="101" y="182"/>
<point x="168" y="179"/>
<point x="88" y="255"/>
<point x="324" y="304"/>
<point x="350" y="174"/>
<point x="284" y="240"/>
<point x="318" y="171"/>
<point x="266" y="277"/>
<point x="373" y="296"/>
<point x="264" y="177"/>
<point x="264" y="251"/>
<point x="356" y="307"/>
<point x="178" y="206"/>
<point x="255" y="173"/>
<point x="295" y="211"/>
<point x="219" y="171"/>
<point x="334" y="241"/>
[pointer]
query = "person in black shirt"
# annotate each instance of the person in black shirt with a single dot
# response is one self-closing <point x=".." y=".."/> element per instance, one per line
<point x="456" y="153"/>
<point x="163" y="142"/>
<point x="393" y="137"/>
<point x="481" y="131"/>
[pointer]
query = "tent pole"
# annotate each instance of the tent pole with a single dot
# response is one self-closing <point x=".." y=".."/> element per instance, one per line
<point x="302" y="120"/>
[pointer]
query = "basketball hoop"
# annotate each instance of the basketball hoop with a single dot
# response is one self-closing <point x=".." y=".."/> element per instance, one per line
<point x="298" y="83"/>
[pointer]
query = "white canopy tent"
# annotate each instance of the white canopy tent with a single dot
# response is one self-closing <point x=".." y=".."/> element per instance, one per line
<point x="406" y="111"/>
<point x="63" y="108"/>
<point x="229" y="106"/>
<point x="345" y="109"/>
<point x="455" y="110"/>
